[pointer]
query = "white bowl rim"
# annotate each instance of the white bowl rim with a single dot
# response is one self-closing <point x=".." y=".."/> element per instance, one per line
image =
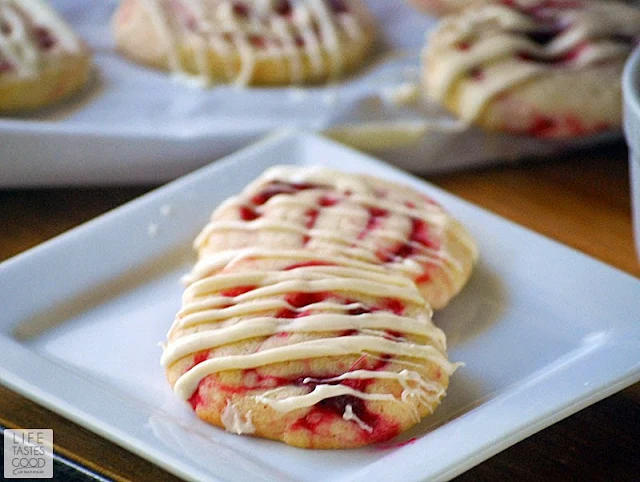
<point x="631" y="84"/>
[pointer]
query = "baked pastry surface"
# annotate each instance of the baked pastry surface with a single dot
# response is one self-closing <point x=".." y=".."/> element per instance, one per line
<point x="539" y="68"/>
<point x="42" y="61"/>
<point x="314" y="355"/>
<point x="286" y="334"/>
<point x="270" y="42"/>
<point x="311" y="211"/>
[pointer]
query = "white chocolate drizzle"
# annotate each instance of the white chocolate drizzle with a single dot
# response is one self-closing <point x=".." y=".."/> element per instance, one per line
<point x="493" y="38"/>
<point x="349" y="415"/>
<point x="234" y="422"/>
<point x="240" y="34"/>
<point x="319" y="393"/>
<point x="21" y="25"/>
<point x="413" y="386"/>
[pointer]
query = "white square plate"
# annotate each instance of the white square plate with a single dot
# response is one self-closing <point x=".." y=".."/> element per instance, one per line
<point x="543" y="329"/>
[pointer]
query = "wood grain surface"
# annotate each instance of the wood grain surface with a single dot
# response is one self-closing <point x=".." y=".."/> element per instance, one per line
<point x="581" y="200"/>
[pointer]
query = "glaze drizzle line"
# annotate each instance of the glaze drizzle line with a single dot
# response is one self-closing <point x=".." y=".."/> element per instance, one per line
<point x="304" y="33"/>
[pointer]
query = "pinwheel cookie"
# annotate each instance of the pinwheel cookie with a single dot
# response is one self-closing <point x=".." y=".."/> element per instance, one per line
<point x="309" y="212"/>
<point x="540" y="68"/>
<point x="329" y="353"/>
<point x="42" y="61"/>
<point x="246" y="41"/>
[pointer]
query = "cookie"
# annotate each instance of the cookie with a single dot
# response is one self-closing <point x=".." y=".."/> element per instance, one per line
<point x="317" y="354"/>
<point x="547" y="69"/>
<point x="439" y="8"/>
<point x="309" y="212"/>
<point x="301" y="321"/>
<point x="273" y="42"/>
<point x="42" y="61"/>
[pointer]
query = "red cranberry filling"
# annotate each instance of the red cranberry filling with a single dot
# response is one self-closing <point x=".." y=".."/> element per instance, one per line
<point x="300" y="300"/>
<point x="544" y="37"/>
<point x="277" y="187"/>
<point x="329" y="409"/>
<point x="375" y="218"/>
<point x="419" y="236"/>
<point x="338" y="405"/>
<point x="237" y="291"/>
<point x="5" y="66"/>
<point x="196" y="399"/>
<point x="394" y="334"/>
<point x="44" y="38"/>
<point x="287" y="313"/>
<point x="360" y="310"/>
<point x="283" y="7"/>
<point x="542" y="8"/>
<point x="241" y="9"/>
<point x="200" y="357"/>
<point x="542" y="126"/>
<point x="349" y="333"/>
<point x="328" y="201"/>
<point x="308" y="264"/>
<point x="257" y="41"/>
<point x="528" y="57"/>
<point x="312" y="217"/>
<point x="477" y="74"/>
<point x="247" y="213"/>
<point x="569" y="56"/>
<point x="394" y="305"/>
<point x="338" y="6"/>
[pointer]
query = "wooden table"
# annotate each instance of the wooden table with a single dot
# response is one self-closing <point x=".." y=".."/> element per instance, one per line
<point x="581" y="200"/>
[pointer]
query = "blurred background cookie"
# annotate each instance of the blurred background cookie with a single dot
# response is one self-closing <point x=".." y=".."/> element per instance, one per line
<point x="42" y="61"/>
<point x="439" y="8"/>
<point x="537" y="68"/>
<point x="246" y="42"/>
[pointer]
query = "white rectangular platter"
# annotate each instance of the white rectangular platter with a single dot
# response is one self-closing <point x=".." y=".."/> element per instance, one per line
<point x="136" y="125"/>
<point x="544" y="331"/>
